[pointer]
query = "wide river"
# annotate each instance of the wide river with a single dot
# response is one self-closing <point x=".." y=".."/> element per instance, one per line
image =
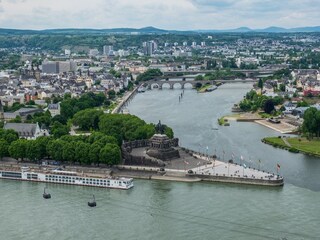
<point x="170" y="210"/>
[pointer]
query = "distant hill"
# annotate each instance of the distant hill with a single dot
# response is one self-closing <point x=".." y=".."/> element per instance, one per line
<point x="153" y="30"/>
<point x="265" y="30"/>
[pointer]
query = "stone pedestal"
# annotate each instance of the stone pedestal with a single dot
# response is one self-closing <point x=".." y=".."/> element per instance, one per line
<point x="161" y="148"/>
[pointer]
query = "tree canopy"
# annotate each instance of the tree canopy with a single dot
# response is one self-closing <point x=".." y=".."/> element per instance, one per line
<point x="311" y="123"/>
<point x="149" y="75"/>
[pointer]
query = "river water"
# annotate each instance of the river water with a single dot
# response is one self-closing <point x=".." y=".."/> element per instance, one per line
<point x="170" y="210"/>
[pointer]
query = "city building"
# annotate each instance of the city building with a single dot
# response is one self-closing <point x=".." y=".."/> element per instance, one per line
<point x="67" y="52"/>
<point x="150" y="47"/>
<point x="93" y="52"/>
<point x="56" y="67"/>
<point x="108" y="50"/>
<point x="27" y="130"/>
<point x="54" y="109"/>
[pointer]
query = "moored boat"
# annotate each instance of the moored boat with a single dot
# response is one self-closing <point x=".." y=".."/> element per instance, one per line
<point x="67" y="177"/>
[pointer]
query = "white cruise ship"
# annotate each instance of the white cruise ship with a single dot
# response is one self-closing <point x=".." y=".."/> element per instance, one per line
<point x="67" y="177"/>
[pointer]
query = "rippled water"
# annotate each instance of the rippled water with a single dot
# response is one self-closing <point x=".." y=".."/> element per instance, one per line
<point x="158" y="210"/>
<point x="169" y="210"/>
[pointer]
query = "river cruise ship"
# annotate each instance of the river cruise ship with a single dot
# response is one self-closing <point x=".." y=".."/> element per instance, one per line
<point x="67" y="177"/>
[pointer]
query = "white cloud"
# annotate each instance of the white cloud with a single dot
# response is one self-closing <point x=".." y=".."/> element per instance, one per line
<point x="168" y="14"/>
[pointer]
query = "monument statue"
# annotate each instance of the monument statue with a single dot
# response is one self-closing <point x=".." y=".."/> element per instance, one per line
<point x="160" y="128"/>
<point x="161" y="147"/>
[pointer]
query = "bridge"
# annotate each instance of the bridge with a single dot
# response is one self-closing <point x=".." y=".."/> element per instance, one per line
<point x="151" y="84"/>
<point x="247" y="72"/>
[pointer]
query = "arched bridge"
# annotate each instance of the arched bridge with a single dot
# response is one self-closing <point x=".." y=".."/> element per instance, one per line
<point x="159" y="84"/>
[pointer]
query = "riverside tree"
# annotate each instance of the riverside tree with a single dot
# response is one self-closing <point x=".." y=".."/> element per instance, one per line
<point x="110" y="154"/>
<point x="268" y="106"/>
<point x="311" y="123"/>
<point x="17" y="149"/>
<point x="4" y="145"/>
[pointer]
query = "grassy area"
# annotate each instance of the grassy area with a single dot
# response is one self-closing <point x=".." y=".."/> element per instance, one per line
<point x="204" y="88"/>
<point x="304" y="145"/>
<point x="275" y="141"/>
<point x="311" y="147"/>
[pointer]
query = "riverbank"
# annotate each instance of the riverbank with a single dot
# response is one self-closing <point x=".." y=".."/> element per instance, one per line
<point x="284" y="127"/>
<point x="295" y="145"/>
<point x="207" y="88"/>
<point x="123" y="101"/>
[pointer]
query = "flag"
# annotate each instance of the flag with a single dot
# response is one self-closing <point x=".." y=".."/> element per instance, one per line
<point x="241" y="157"/>
<point x="232" y="155"/>
<point x="186" y="162"/>
<point x="207" y="148"/>
<point x="244" y="165"/>
<point x="198" y="163"/>
<point x="259" y="161"/>
<point x="278" y="167"/>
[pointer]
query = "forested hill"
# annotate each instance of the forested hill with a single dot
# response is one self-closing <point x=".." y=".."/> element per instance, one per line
<point x="153" y="30"/>
<point x="79" y="31"/>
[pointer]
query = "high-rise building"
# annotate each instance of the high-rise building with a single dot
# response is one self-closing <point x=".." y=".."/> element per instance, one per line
<point x="194" y="44"/>
<point x="150" y="47"/>
<point x="108" y="50"/>
<point x="185" y="44"/>
<point x="203" y="44"/>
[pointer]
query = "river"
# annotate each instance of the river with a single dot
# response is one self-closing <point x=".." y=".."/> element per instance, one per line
<point x="172" y="210"/>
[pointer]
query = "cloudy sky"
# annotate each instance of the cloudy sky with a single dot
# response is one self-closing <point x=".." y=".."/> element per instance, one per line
<point x="166" y="14"/>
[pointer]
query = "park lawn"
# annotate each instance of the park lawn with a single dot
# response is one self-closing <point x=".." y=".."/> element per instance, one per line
<point x="305" y="145"/>
<point x="276" y="140"/>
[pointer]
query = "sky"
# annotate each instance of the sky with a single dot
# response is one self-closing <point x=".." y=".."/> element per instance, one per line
<point x="165" y="14"/>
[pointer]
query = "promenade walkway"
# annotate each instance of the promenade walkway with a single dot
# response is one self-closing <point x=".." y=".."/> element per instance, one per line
<point x="219" y="168"/>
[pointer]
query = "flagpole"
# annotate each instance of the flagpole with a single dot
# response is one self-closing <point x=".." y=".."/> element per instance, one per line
<point x="242" y="171"/>
<point x="228" y="168"/>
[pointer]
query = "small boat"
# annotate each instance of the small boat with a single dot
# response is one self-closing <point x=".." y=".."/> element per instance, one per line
<point x="93" y="203"/>
<point x="46" y="195"/>
<point x="141" y="89"/>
